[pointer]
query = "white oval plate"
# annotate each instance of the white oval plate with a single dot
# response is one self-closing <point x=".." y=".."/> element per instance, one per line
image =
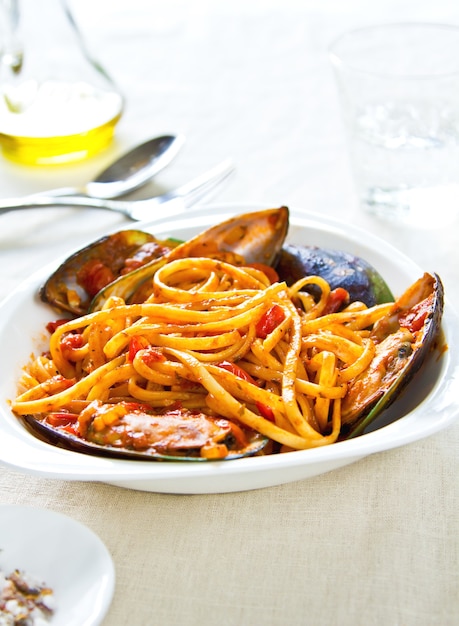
<point x="420" y="413"/>
<point x="64" y="554"/>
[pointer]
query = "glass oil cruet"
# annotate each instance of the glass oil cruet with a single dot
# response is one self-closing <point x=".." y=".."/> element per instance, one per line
<point x="57" y="104"/>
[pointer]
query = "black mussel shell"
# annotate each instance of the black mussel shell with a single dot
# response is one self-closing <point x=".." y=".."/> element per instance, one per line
<point x="255" y="237"/>
<point x="414" y="359"/>
<point x="338" y="268"/>
<point x="67" y="441"/>
<point x="64" y="289"/>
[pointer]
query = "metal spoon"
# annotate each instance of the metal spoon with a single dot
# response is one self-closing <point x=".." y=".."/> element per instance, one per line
<point x="130" y="171"/>
<point x="176" y="200"/>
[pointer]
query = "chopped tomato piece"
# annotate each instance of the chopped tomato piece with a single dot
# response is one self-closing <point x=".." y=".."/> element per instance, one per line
<point x="51" y="326"/>
<point x="414" y="318"/>
<point x="94" y="276"/>
<point x="144" y="254"/>
<point x="269" y="321"/>
<point x="71" y="429"/>
<point x="153" y="355"/>
<point x="265" y="411"/>
<point x="236" y="370"/>
<point x="72" y="340"/>
<point x="136" y="344"/>
<point x="69" y="343"/>
<point x="336" y="299"/>
<point x="61" y="418"/>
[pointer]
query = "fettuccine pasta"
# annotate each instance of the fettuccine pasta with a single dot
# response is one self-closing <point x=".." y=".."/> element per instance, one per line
<point x="213" y="338"/>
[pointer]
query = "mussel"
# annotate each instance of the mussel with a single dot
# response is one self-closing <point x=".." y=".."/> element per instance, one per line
<point x="76" y="281"/>
<point x="338" y="268"/>
<point x="252" y="238"/>
<point x="139" y="434"/>
<point x="404" y="337"/>
<point x="249" y="238"/>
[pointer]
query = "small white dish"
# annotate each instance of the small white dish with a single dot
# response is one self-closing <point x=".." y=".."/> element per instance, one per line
<point x="431" y="404"/>
<point x="66" y="555"/>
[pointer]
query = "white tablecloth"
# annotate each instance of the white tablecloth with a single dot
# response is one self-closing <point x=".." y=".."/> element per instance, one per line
<point x="374" y="543"/>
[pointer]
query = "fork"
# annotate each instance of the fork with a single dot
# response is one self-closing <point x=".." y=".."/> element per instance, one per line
<point x="174" y="201"/>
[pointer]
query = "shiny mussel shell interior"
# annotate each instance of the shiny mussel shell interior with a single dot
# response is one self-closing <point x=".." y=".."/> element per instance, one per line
<point x="251" y="237"/>
<point x="405" y="337"/>
<point x="73" y="285"/>
<point x="254" y="237"/>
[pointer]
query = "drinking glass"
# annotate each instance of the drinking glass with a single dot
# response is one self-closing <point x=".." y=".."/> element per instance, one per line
<point x="399" y="89"/>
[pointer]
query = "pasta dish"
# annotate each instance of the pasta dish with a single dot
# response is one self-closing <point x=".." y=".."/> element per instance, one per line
<point x="217" y="353"/>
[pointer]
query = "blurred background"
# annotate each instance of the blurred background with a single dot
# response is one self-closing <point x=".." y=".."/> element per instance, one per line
<point x="245" y="79"/>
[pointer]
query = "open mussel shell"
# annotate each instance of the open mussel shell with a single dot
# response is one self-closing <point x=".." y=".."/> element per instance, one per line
<point x="66" y="288"/>
<point x="338" y="268"/>
<point x="399" y="359"/>
<point x="45" y="432"/>
<point x="252" y="237"/>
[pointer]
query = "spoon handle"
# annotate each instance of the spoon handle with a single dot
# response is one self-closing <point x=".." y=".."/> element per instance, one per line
<point x="41" y="200"/>
<point x="187" y="194"/>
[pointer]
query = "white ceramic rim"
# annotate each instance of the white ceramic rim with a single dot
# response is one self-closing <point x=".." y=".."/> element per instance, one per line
<point x="63" y="553"/>
<point x="20" y="450"/>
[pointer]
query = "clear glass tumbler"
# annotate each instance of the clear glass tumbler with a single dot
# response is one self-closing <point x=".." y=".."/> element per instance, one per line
<point x="399" y="88"/>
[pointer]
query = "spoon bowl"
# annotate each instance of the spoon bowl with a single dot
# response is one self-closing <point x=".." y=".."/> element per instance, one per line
<point x="130" y="171"/>
<point x="136" y="167"/>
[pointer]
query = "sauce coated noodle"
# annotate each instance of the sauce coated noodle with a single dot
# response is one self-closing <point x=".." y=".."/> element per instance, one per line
<point x="213" y="338"/>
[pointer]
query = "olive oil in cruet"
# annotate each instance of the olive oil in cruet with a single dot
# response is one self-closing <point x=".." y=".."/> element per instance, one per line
<point x="57" y="104"/>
